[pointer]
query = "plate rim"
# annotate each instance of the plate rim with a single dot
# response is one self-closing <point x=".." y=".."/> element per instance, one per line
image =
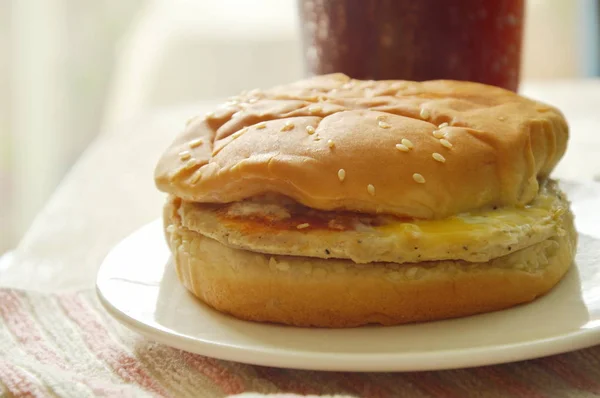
<point x="334" y="361"/>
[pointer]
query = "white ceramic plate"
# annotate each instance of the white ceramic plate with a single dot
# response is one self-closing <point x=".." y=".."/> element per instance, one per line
<point x="138" y="286"/>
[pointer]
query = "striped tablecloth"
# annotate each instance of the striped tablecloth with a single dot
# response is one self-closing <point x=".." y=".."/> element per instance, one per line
<point x="66" y="345"/>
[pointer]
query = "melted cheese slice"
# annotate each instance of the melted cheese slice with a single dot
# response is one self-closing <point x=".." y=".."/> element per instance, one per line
<point x="546" y="209"/>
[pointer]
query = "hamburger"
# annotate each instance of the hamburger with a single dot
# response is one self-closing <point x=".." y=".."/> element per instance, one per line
<point x="334" y="202"/>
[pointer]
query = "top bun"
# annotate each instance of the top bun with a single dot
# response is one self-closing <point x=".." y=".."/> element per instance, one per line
<point x="334" y="143"/>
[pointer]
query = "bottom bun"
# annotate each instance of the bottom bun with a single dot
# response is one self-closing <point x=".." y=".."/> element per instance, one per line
<point x="305" y="291"/>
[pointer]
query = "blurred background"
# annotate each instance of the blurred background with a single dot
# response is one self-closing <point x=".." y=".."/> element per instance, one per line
<point x="70" y="69"/>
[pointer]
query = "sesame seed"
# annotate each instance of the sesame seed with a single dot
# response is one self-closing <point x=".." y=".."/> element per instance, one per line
<point x="252" y="100"/>
<point x="261" y="125"/>
<point x="342" y="174"/>
<point x="302" y="226"/>
<point x="438" y="134"/>
<point x="330" y="144"/>
<point x="402" y="147"/>
<point x="407" y="143"/>
<point x="424" y="113"/>
<point x="185" y="155"/>
<point x="314" y="108"/>
<point x="371" y="189"/>
<point x="380" y="118"/>
<point x="441" y="126"/>
<point x="195" y="177"/>
<point x="191" y="163"/>
<point x="501" y="118"/>
<point x="438" y="157"/>
<point x="196" y="143"/>
<point x="419" y="178"/>
<point x="446" y="143"/>
<point x="310" y="130"/>
<point x="239" y="133"/>
<point x="287" y="126"/>
<point x="384" y="125"/>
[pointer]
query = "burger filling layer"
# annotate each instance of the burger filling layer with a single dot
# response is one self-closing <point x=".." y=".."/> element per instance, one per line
<point x="277" y="225"/>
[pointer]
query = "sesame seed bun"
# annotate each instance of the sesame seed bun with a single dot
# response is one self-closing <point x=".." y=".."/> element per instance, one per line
<point x="334" y="202"/>
<point x="294" y="140"/>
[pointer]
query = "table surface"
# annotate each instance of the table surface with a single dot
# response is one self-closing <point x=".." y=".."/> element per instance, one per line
<point x="110" y="192"/>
